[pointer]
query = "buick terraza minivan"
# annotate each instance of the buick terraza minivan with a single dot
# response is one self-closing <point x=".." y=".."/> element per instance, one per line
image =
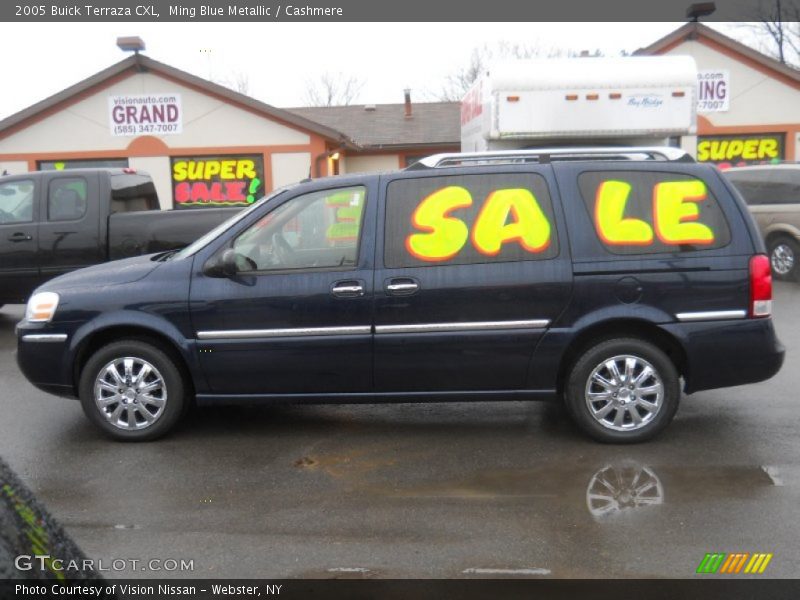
<point x="610" y="280"/>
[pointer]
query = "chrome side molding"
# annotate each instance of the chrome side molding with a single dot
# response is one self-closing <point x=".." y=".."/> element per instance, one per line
<point x="238" y="334"/>
<point x="711" y="315"/>
<point x="467" y="326"/>
<point x="44" y="337"/>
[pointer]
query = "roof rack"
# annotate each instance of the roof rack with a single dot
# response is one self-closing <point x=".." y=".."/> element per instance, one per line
<point x="547" y="155"/>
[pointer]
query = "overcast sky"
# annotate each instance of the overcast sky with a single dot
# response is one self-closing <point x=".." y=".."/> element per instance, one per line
<point x="277" y="59"/>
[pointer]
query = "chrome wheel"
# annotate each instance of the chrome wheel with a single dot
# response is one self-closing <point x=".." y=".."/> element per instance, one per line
<point x="130" y="393"/>
<point x="782" y="259"/>
<point x="624" y="393"/>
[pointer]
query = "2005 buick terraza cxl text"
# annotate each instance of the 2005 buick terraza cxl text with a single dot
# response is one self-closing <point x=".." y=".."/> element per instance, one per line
<point x="608" y="279"/>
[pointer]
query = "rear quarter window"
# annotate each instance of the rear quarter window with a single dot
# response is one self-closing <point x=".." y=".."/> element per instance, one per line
<point x="132" y="192"/>
<point x="469" y="219"/>
<point x="648" y="212"/>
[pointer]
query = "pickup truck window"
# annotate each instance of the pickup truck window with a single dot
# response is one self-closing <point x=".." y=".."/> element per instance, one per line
<point x="66" y="199"/>
<point x="316" y="230"/>
<point x="132" y="192"/>
<point x="469" y="219"/>
<point x="16" y="201"/>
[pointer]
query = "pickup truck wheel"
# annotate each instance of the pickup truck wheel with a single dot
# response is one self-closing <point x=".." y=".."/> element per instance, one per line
<point x="132" y="390"/>
<point x="623" y="391"/>
<point x="784" y="257"/>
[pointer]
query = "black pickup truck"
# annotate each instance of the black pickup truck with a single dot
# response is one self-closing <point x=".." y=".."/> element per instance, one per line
<point x="52" y="222"/>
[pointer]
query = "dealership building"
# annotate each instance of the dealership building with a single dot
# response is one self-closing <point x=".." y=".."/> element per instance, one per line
<point x="206" y="145"/>
<point x="748" y="103"/>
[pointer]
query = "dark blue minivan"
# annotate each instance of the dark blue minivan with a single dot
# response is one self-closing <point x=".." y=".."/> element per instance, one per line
<point x="609" y="279"/>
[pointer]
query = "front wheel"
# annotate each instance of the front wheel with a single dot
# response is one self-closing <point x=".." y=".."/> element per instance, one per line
<point x="623" y="391"/>
<point x="784" y="258"/>
<point x="132" y="390"/>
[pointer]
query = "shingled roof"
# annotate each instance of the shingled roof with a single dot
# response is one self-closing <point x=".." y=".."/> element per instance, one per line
<point x="385" y="126"/>
<point x="141" y="63"/>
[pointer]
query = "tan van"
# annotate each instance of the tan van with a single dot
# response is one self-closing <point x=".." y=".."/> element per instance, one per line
<point x="772" y="192"/>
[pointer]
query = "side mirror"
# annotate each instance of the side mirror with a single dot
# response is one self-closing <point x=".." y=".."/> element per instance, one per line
<point x="223" y="265"/>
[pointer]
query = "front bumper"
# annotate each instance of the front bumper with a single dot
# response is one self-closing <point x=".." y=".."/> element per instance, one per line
<point x="42" y="354"/>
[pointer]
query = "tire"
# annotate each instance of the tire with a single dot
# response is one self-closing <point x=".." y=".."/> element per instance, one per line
<point x="154" y="411"/>
<point x="654" y="397"/>
<point x="784" y="258"/>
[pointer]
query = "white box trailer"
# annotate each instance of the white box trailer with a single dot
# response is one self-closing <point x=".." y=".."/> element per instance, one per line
<point x="641" y="100"/>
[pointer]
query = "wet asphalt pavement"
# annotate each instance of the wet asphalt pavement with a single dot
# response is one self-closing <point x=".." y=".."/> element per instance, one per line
<point x="428" y="490"/>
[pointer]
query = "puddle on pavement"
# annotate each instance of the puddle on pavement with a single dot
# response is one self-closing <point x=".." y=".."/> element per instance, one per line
<point x="619" y="487"/>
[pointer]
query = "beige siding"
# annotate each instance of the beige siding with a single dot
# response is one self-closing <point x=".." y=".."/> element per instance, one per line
<point x="370" y="164"/>
<point x="755" y="98"/>
<point x="289" y="167"/>
<point x="158" y="168"/>
<point x="13" y="167"/>
<point x="207" y="121"/>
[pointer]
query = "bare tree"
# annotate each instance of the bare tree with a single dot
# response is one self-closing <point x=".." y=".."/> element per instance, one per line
<point x="333" y="89"/>
<point x="457" y="83"/>
<point x="779" y="23"/>
<point x="238" y="82"/>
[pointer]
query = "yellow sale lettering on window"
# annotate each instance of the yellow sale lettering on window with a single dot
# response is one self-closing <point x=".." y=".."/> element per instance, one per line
<point x="676" y="212"/>
<point x="446" y="235"/>
<point x="675" y="215"/>
<point x="529" y="226"/>
<point x="609" y="216"/>
<point x="507" y="215"/>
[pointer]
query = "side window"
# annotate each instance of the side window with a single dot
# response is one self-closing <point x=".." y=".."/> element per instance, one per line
<point x="468" y="219"/>
<point x="16" y="201"/>
<point x="316" y="230"/>
<point x="66" y="199"/>
<point x="641" y="212"/>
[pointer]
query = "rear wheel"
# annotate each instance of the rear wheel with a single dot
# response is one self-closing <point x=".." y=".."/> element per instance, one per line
<point x="784" y="258"/>
<point x="623" y="391"/>
<point x="132" y="390"/>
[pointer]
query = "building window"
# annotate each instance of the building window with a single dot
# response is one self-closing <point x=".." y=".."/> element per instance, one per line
<point x="410" y="159"/>
<point x="100" y="163"/>
<point x="235" y="180"/>
<point x="740" y="150"/>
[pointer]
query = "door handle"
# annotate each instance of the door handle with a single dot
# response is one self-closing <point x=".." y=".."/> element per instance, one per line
<point x="402" y="286"/>
<point x="347" y="289"/>
<point x="20" y="237"/>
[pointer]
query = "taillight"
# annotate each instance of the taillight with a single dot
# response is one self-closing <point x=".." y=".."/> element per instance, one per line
<point x="760" y="286"/>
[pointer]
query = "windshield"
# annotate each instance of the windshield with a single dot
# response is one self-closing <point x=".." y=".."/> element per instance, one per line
<point x="224" y="226"/>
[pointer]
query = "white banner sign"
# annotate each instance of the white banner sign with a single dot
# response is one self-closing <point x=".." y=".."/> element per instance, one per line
<point x="152" y="114"/>
<point x="713" y="91"/>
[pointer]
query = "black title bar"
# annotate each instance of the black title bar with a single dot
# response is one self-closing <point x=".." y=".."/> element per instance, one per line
<point x="368" y="11"/>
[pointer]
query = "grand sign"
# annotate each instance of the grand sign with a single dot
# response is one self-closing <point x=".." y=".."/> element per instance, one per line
<point x="713" y="91"/>
<point x="152" y="114"/>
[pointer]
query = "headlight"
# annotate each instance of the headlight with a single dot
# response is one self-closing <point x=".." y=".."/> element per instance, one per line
<point x="41" y="307"/>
